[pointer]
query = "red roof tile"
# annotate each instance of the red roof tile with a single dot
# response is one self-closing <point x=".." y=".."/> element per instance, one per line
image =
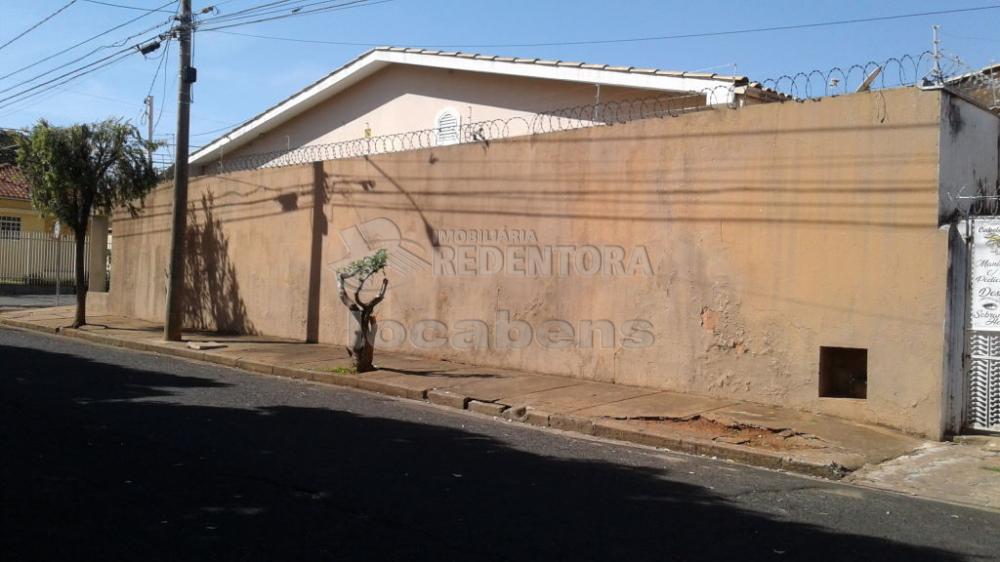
<point x="12" y="183"/>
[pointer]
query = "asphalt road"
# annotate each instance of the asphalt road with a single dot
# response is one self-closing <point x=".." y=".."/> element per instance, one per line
<point x="117" y="455"/>
<point x="14" y="302"/>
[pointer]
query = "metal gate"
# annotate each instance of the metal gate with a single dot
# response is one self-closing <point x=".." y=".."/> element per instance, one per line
<point x="983" y="390"/>
<point x="984" y="381"/>
<point x="35" y="262"/>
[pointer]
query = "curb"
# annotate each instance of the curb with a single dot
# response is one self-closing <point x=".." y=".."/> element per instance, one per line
<point x="603" y="428"/>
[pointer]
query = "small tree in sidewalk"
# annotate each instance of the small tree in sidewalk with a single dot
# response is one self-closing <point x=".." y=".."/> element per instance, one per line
<point x="362" y="348"/>
<point x="82" y="169"/>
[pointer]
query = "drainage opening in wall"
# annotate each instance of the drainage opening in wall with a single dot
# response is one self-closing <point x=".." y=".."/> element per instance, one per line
<point x="843" y="372"/>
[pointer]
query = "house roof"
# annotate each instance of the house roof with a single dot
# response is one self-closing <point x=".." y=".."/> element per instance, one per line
<point x="984" y="72"/>
<point x="13" y="184"/>
<point x="380" y="57"/>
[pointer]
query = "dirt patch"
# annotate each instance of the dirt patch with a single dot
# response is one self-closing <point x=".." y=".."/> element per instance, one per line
<point x="697" y="427"/>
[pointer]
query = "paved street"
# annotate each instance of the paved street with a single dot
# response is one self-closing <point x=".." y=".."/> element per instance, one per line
<point x="122" y="455"/>
<point x="16" y="302"/>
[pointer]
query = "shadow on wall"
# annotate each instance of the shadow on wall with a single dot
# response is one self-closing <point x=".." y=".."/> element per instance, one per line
<point x="213" y="299"/>
<point x="186" y="467"/>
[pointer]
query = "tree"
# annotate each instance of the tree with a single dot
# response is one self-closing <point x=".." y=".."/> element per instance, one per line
<point x="8" y="146"/>
<point x="78" y="170"/>
<point x="362" y="348"/>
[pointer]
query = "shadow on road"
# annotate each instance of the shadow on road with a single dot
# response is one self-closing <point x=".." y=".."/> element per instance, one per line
<point x="102" y="461"/>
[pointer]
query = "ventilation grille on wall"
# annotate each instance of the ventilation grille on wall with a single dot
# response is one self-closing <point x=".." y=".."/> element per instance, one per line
<point x="447" y="127"/>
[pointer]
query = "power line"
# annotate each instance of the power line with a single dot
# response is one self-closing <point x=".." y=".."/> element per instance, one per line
<point x="226" y="128"/>
<point x="295" y="40"/>
<point x="255" y="10"/>
<point x="80" y="58"/>
<point x="113" y="5"/>
<point x="85" y="41"/>
<point x="156" y="75"/>
<point x="37" y="25"/>
<point x="159" y="115"/>
<point x="159" y="67"/>
<point x="99" y="97"/>
<point x="223" y="3"/>
<point x="639" y="39"/>
<point x="36" y="98"/>
<point x="68" y="76"/>
<point x="275" y="7"/>
<point x="53" y="88"/>
<point x="300" y="12"/>
<point x="282" y="7"/>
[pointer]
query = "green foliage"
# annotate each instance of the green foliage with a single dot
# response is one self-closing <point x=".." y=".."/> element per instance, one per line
<point x="8" y="146"/>
<point x="74" y="171"/>
<point x="367" y="266"/>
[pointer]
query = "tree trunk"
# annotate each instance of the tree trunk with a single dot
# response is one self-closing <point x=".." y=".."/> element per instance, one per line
<point x="81" y="281"/>
<point x="363" y="347"/>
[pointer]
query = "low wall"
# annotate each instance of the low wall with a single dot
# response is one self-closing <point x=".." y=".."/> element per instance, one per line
<point x="711" y="253"/>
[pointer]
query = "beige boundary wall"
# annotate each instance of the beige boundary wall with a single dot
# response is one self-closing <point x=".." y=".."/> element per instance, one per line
<point x="729" y="245"/>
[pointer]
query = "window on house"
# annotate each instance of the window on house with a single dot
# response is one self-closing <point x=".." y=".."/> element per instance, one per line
<point x="10" y="227"/>
<point x="447" y="126"/>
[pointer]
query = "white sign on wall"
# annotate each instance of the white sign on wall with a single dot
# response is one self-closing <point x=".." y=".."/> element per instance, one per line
<point x="986" y="275"/>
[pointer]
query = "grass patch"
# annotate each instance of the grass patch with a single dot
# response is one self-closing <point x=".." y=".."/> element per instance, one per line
<point x="342" y="370"/>
<point x="991" y="468"/>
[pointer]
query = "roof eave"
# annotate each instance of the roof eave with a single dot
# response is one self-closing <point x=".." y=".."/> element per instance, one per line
<point x="376" y="59"/>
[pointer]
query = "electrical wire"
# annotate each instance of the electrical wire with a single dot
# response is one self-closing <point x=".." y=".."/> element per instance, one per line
<point x="258" y="10"/>
<point x="37" y="25"/>
<point x="68" y="77"/>
<point x="220" y="129"/>
<point x="159" y="115"/>
<point x="113" y="5"/>
<point x="39" y="97"/>
<point x="298" y="12"/>
<point x="80" y="58"/>
<point x="282" y="7"/>
<point x="217" y="4"/>
<point x="53" y="90"/>
<point x="295" y="40"/>
<point x="156" y="76"/>
<point x="159" y="67"/>
<point x="254" y="10"/>
<point x="643" y="39"/>
<point x="85" y="41"/>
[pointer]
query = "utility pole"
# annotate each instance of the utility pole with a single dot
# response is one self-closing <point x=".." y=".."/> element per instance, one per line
<point x="175" y="277"/>
<point x="149" y="124"/>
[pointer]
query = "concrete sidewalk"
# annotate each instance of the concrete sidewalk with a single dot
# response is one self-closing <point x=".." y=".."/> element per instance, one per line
<point x="755" y="434"/>
<point x="965" y="471"/>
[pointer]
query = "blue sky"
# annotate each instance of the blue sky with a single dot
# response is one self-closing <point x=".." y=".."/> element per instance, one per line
<point x="239" y="76"/>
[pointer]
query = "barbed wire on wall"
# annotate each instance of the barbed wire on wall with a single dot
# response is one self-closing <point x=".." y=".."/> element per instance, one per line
<point x="980" y="84"/>
<point x="893" y="72"/>
<point x="484" y="132"/>
<point x="923" y="69"/>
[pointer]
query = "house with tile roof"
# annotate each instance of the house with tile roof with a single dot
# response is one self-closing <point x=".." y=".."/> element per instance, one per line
<point x="16" y="213"/>
<point x="392" y="91"/>
<point x="30" y="258"/>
